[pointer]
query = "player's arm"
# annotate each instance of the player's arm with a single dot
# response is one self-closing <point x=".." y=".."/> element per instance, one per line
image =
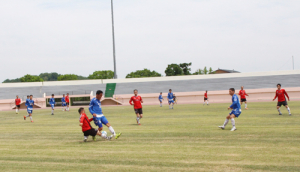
<point x="246" y="94"/>
<point x="235" y="101"/>
<point x="81" y="120"/>
<point x="91" y="109"/>
<point x="285" y="93"/>
<point x="275" y="96"/>
<point x="91" y="119"/>
<point x="130" y="101"/>
<point x="142" y="100"/>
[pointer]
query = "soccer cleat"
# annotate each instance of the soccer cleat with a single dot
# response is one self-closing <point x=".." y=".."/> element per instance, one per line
<point x="24" y="117"/>
<point x="52" y="114"/>
<point x="233" y="129"/>
<point x="246" y="108"/>
<point x="222" y="127"/>
<point x="85" y="139"/>
<point x="280" y="114"/>
<point x="290" y="114"/>
<point x="140" y="124"/>
<point x="32" y="121"/>
<point x="94" y="138"/>
<point x="118" y="135"/>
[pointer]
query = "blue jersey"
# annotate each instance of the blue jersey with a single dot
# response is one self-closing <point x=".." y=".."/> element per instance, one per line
<point x="63" y="100"/>
<point x="52" y="101"/>
<point x="26" y="103"/>
<point x="95" y="107"/>
<point x="170" y="96"/>
<point x="235" y="103"/>
<point x="160" y="97"/>
<point x="30" y="104"/>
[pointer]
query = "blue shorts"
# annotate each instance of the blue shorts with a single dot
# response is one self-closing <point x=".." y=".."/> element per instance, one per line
<point x="29" y="110"/>
<point x="52" y="106"/>
<point x="160" y="100"/>
<point x="63" y="104"/>
<point x="100" y="120"/>
<point x="171" y="101"/>
<point x="236" y="112"/>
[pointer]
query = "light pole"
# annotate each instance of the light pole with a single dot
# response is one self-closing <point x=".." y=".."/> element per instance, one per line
<point x="113" y="37"/>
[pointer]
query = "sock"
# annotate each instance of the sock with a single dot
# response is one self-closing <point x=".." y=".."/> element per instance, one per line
<point x="52" y="110"/>
<point x="31" y="118"/>
<point x="226" y="122"/>
<point x="279" y="110"/>
<point x="289" y="110"/>
<point x="207" y="103"/>
<point x="245" y="105"/>
<point x="138" y="119"/>
<point x="86" y="137"/>
<point x="203" y="103"/>
<point x="112" y="130"/>
<point x="16" y="110"/>
<point x="232" y="122"/>
<point x="169" y="106"/>
<point x="27" y="116"/>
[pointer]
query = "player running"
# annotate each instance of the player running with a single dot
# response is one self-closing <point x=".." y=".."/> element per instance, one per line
<point x="30" y="104"/>
<point x="205" y="98"/>
<point x="170" y="97"/>
<point x="137" y="103"/>
<point x="281" y="93"/>
<point x="17" y="103"/>
<point x="236" y="110"/>
<point x="52" y="104"/>
<point x="63" y="103"/>
<point x="99" y="118"/>
<point x="67" y="102"/>
<point x="160" y="98"/>
<point x="26" y="103"/>
<point x="243" y="95"/>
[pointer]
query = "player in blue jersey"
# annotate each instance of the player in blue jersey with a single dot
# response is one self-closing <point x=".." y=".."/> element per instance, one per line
<point x="99" y="118"/>
<point x="171" y="98"/>
<point x="236" y="110"/>
<point x="160" y="98"/>
<point x="52" y="104"/>
<point x="26" y="103"/>
<point x="30" y="104"/>
<point x="64" y="103"/>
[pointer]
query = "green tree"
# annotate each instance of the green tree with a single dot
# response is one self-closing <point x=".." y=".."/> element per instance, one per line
<point x="198" y="72"/>
<point x="49" y="76"/>
<point x="11" y="80"/>
<point x="81" y="77"/>
<point x="143" y="73"/>
<point x="211" y="71"/>
<point x="31" y="78"/>
<point x="105" y="74"/>
<point x="205" y="71"/>
<point x="67" y="77"/>
<point x="185" y="68"/>
<point x="173" y="70"/>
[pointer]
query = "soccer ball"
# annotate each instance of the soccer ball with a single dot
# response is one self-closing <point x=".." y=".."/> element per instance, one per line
<point x="104" y="133"/>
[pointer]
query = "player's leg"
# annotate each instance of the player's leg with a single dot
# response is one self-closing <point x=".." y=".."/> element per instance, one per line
<point x="246" y="105"/>
<point x="110" y="128"/>
<point x="137" y="117"/>
<point x="207" y="102"/>
<point x="288" y="109"/>
<point x="232" y="116"/>
<point x="225" y="122"/>
<point x="278" y="109"/>
<point x="52" y="108"/>
<point x="30" y="115"/>
<point x="172" y="104"/>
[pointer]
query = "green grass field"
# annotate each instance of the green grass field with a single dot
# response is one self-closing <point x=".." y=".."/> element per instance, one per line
<point x="184" y="139"/>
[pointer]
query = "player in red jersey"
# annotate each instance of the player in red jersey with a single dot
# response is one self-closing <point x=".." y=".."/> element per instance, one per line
<point x="137" y="103"/>
<point x="68" y="102"/>
<point x="243" y="95"/>
<point x="17" y="103"/>
<point x="205" y="98"/>
<point x="281" y="93"/>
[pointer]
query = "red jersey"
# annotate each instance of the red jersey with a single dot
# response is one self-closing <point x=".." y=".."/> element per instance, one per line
<point x="86" y="125"/>
<point x="137" y="101"/>
<point x="67" y="99"/>
<point x="281" y="95"/>
<point x="205" y="95"/>
<point x="18" y="101"/>
<point x="243" y="94"/>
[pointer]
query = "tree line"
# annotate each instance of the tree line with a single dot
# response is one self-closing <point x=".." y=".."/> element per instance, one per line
<point x="171" y="70"/>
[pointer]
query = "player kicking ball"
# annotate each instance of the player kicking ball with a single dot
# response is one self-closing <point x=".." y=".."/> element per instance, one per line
<point x="171" y="98"/>
<point x="137" y="104"/>
<point x="99" y="118"/>
<point x="30" y="104"/>
<point x="52" y="104"/>
<point x="281" y="93"/>
<point x="236" y="110"/>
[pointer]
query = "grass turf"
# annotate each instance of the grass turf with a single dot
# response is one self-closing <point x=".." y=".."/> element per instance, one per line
<point x="184" y="139"/>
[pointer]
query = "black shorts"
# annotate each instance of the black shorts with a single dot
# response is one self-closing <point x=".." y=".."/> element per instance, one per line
<point x="68" y="104"/>
<point x="205" y="98"/>
<point x="284" y="103"/>
<point x="18" y="106"/>
<point x="243" y="100"/>
<point x="138" y="111"/>
<point x="91" y="132"/>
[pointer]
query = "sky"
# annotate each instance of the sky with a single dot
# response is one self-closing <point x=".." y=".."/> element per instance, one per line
<point x="75" y="36"/>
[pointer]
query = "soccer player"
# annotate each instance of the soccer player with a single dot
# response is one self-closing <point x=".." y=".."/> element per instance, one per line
<point x="30" y="104"/>
<point x="99" y="118"/>
<point x="26" y="103"/>
<point x="236" y="110"/>
<point x="205" y="98"/>
<point x="160" y="98"/>
<point x="52" y="104"/>
<point x="137" y="104"/>
<point x="243" y="95"/>
<point x="281" y="93"/>
<point x="17" y="103"/>
<point x="68" y="101"/>
<point x="170" y="97"/>
<point x="175" y="99"/>
<point x="63" y="103"/>
<point x="87" y="129"/>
